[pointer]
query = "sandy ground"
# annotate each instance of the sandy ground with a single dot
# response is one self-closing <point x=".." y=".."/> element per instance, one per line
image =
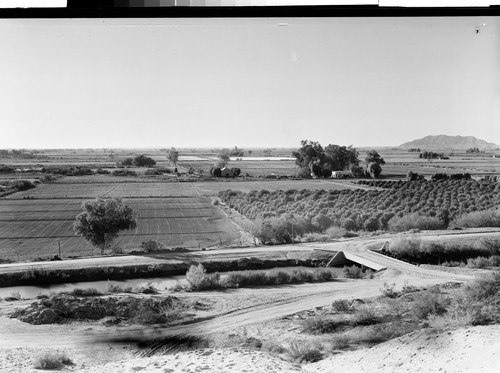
<point x="87" y="344"/>
<point x="474" y="349"/>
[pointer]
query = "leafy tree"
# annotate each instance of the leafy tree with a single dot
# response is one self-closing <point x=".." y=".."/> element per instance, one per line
<point x="374" y="161"/>
<point x="249" y="153"/>
<point x="373" y="156"/>
<point x="309" y="155"/>
<point x="143" y="161"/>
<point x="237" y="152"/>
<point x="341" y="157"/>
<point x="357" y="171"/>
<point x="128" y="161"/>
<point x="173" y="156"/>
<point x="321" y="162"/>
<point x="216" y="171"/>
<point x="102" y="219"/>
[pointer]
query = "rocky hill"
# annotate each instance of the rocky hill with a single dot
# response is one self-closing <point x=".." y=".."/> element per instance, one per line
<point x="448" y="142"/>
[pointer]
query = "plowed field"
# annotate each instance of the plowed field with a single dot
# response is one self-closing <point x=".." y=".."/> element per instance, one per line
<point x="33" y="228"/>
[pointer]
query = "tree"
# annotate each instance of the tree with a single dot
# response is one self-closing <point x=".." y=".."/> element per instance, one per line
<point x="128" y="162"/>
<point x="249" y="153"/>
<point x="237" y="152"/>
<point x="143" y="161"/>
<point x="267" y="152"/>
<point x="374" y="169"/>
<point x="341" y="158"/>
<point x="102" y="219"/>
<point x="321" y="162"/>
<point x="374" y="161"/>
<point x="309" y="155"/>
<point x="173" y="156"/>
<point x="224" y="156"/>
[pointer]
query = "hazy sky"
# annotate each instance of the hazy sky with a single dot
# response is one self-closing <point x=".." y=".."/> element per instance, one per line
<point x="247" y="82"/>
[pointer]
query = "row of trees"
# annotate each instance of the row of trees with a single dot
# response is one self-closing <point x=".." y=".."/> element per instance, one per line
<point x="139" y="161"/>
<point x="432" y="155"/>
<point x="317" y="161"/>
<point x="371" y="210"/>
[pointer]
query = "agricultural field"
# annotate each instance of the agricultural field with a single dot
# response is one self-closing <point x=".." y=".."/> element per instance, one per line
<point x="399" y="162"/>
<point x="140" y="188"/>
<point x="372" y="209"/>
<point x="30" y="229"/>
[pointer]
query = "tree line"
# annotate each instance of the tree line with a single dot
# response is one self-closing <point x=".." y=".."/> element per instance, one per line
<point x="316" y="161"/>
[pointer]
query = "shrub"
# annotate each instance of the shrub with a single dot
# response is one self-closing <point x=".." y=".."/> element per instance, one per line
<point x="14" y="295"/>
<point x="52" y="361"/>
<point x="490" y="218"/>
<point x="352" y="272"/>
<point x="152" y="245"/>
<point x="365" y="316"/>
<point x="335" y="232"/>
<point x="115" y="288"/>
<point x="428" y="303"/>
<point x="339" y="342"/>
<point x="148" y="289"/>
<point x="384" y="332"/>
<point x="198" y="279"/>
<point x="315" y="237"/>
<point x="324" y="274"/>
<point x="388" y="290"/>
<point x="414" y="221"/>
<point x="479" y="262"/>
<point x="304" y="352"/>
<point x="343" y="306"/>
<point x="322" y="324"/>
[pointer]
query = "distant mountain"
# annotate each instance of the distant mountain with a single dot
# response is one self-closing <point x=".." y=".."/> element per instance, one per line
<point x="448" y="142"/>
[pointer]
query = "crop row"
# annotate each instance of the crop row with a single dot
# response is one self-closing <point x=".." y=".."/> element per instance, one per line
<point x="444" y="200"/>
<point x="175" y="221"/>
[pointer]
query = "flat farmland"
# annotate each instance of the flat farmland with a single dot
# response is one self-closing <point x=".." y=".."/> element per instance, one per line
<point x="33" y="228"/>
<point x="252" y="166"/>
<point x="60" y="190"/>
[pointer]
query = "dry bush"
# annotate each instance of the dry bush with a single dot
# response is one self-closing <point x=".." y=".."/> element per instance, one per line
<point x="322" y="324"/>
<point x="52" y="361"/>
<point x="383" y="332"/>
<point x="301" y="351"/>
<point x="365" y="316"/>
<point x="388" y="290"/>
<point x="414" y="221"/>
<point x="335" y="232"/>
<point x="429" y="303"/>
<point x="339" y="342"/>
<point x="198" y="279"/>
<point x="353" y="272"/>
<point x="343" y="306"/>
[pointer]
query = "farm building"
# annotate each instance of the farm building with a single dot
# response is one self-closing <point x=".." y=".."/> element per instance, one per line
<point x="226" y="172"/>
<point x="341" y="174"/>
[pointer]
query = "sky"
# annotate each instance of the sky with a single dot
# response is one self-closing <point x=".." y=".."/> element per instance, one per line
<point x="135" y="83"/>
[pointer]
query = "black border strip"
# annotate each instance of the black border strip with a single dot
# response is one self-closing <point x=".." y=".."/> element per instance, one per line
<point x="248" y="12"/>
